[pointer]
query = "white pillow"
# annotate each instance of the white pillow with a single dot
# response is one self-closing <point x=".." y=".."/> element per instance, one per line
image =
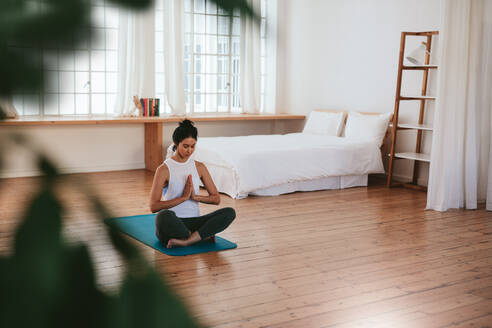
<point x="367" y="127"/>
<point x="324" y="123"/>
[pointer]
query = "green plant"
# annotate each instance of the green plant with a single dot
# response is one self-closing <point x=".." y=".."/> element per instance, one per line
<point x="45" y="281"/>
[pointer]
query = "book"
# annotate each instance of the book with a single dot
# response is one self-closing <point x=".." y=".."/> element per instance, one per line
<point x="150" y="106"/>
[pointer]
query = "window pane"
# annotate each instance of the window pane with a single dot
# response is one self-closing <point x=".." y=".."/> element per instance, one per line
<point x="67" y="82"/>
<point x="97" y="60"/>
<point x="198" y="64"/>
<point x="235" y="46"/>
<point x="222" y="83"/>
<point x="223" y="45"/>
<point x="236" y="26"/>
<point x="211" y="7"/>
<point x="199" y="43"/>
<point x="211" y="24"/>
<point x="111" y="61"/>
<point x="187" y="5"/>
<point x="112" y="39"/>
<point x="235" y="103"/>
<point x="222" y="102"/>
<point x="199" y="80"/>
<point x="50" y="59"/>
<point x="223" y="25"/>
<point x="97" y="16"/>
<point x="67" y="60"/>
<point x="187" y="23"/>
<point x="97" y="82"/>
<point x="82" y="104"/>
<point x="199" y="24"/>
<point x="222" y="11"/>
<point x="112" y="17"/>
<point x="50" y="103"/>
<point x="31" y="104"/>
<point x="211" y="103"/>
<point x="82" y="83"/>
<point x="98" y="104"/>
<point x="97" y="38"/>
<point x="187" y="46"/>
<point x="187" y="66"/>
<point x="235" y="84"/>
<point x="18" y="101"/>
<point x="235" y="65"/>
<point x="223" y="65"/>
<point x="211" y="44"/>
<point x="199" y="100"/>
<point x="211" y="64"/>
<point x="199" y="6"/>
<point x="67" y="104"/>
<point x="82" y="60"/>
<point x="211" y="85"/>
<point x="187" y="82"/>
<point x="51" y="82"/>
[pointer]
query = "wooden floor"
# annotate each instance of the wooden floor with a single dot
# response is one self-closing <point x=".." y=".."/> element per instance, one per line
<point x="360" y="257"/>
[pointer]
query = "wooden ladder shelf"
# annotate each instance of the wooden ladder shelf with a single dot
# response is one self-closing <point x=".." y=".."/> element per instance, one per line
<point x="417" y="156"/>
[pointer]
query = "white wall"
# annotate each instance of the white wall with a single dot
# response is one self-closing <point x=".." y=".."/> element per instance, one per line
<point x="343" y="54"/>
<point x="338" y="54"/>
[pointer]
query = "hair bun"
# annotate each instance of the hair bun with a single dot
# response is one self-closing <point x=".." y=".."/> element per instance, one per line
<point x="186" y="123"/>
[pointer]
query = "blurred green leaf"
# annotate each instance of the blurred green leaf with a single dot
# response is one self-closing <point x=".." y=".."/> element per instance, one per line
<point x="145" y="302"/>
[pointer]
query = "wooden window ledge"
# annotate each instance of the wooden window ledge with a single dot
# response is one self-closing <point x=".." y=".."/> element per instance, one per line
<point x="153" y="126"/>
<point x="77" y="120"/>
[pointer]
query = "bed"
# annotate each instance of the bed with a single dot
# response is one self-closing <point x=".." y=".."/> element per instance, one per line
<point x="332" y="152"/>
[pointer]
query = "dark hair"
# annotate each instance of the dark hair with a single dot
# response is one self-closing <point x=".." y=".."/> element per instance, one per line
<point x="186" y="129"/>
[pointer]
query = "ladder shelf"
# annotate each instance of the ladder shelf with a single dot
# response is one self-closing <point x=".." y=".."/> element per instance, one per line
<point x="395" y="126"/>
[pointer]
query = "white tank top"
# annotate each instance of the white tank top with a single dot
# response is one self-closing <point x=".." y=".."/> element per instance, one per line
<point x="178" y="172"/>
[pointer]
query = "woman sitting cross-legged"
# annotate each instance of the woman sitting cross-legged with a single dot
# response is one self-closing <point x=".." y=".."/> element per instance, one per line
<point x="178" y="221"/>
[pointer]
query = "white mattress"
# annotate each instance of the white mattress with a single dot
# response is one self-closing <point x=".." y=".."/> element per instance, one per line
<point x="223" y="179"/>
<point x="276" y="164"/>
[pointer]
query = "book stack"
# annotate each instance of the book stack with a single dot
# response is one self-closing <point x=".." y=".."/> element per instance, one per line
<point x="150" y="106"/>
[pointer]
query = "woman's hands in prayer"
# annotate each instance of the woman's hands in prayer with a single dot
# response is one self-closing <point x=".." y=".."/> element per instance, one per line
<point x="189" y="190"/>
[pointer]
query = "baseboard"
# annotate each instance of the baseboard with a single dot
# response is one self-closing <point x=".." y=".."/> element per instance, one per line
<point x="70" y="170"/>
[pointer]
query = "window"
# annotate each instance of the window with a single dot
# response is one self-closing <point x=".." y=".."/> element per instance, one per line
<point x="81" y="78"/>
<point x="212" y="57"/>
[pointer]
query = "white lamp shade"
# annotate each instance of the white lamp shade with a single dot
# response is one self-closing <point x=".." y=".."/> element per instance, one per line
<point x="417" y="56"/>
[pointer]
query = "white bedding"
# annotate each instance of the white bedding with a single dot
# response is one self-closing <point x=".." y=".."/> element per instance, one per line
<point x="263" y="161"/>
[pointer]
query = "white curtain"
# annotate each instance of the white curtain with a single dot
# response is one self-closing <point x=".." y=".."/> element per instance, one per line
<point x="135" y="60"/>
<point x="8" y="107"/>
<point x="461" y="159"/>
<point x="250" y="67"/>
<point x="271" y="58"/>
<point x="173" y="55"/>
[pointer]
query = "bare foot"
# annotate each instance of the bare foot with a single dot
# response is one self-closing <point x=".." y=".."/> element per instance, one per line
<point x="176" y="242"/>
<point x="193" y="238"/>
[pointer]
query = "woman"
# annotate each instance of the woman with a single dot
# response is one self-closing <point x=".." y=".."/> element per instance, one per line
<point x="178" y="221"/>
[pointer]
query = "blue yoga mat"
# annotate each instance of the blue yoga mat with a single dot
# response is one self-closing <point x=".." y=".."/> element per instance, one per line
<point x="142" y="228"/>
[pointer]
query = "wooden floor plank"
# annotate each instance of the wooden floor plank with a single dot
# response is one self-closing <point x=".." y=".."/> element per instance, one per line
<point x="358" y="257"/>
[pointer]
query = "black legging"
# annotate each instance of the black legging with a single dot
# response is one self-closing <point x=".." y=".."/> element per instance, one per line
<point x="168" y="225"/>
